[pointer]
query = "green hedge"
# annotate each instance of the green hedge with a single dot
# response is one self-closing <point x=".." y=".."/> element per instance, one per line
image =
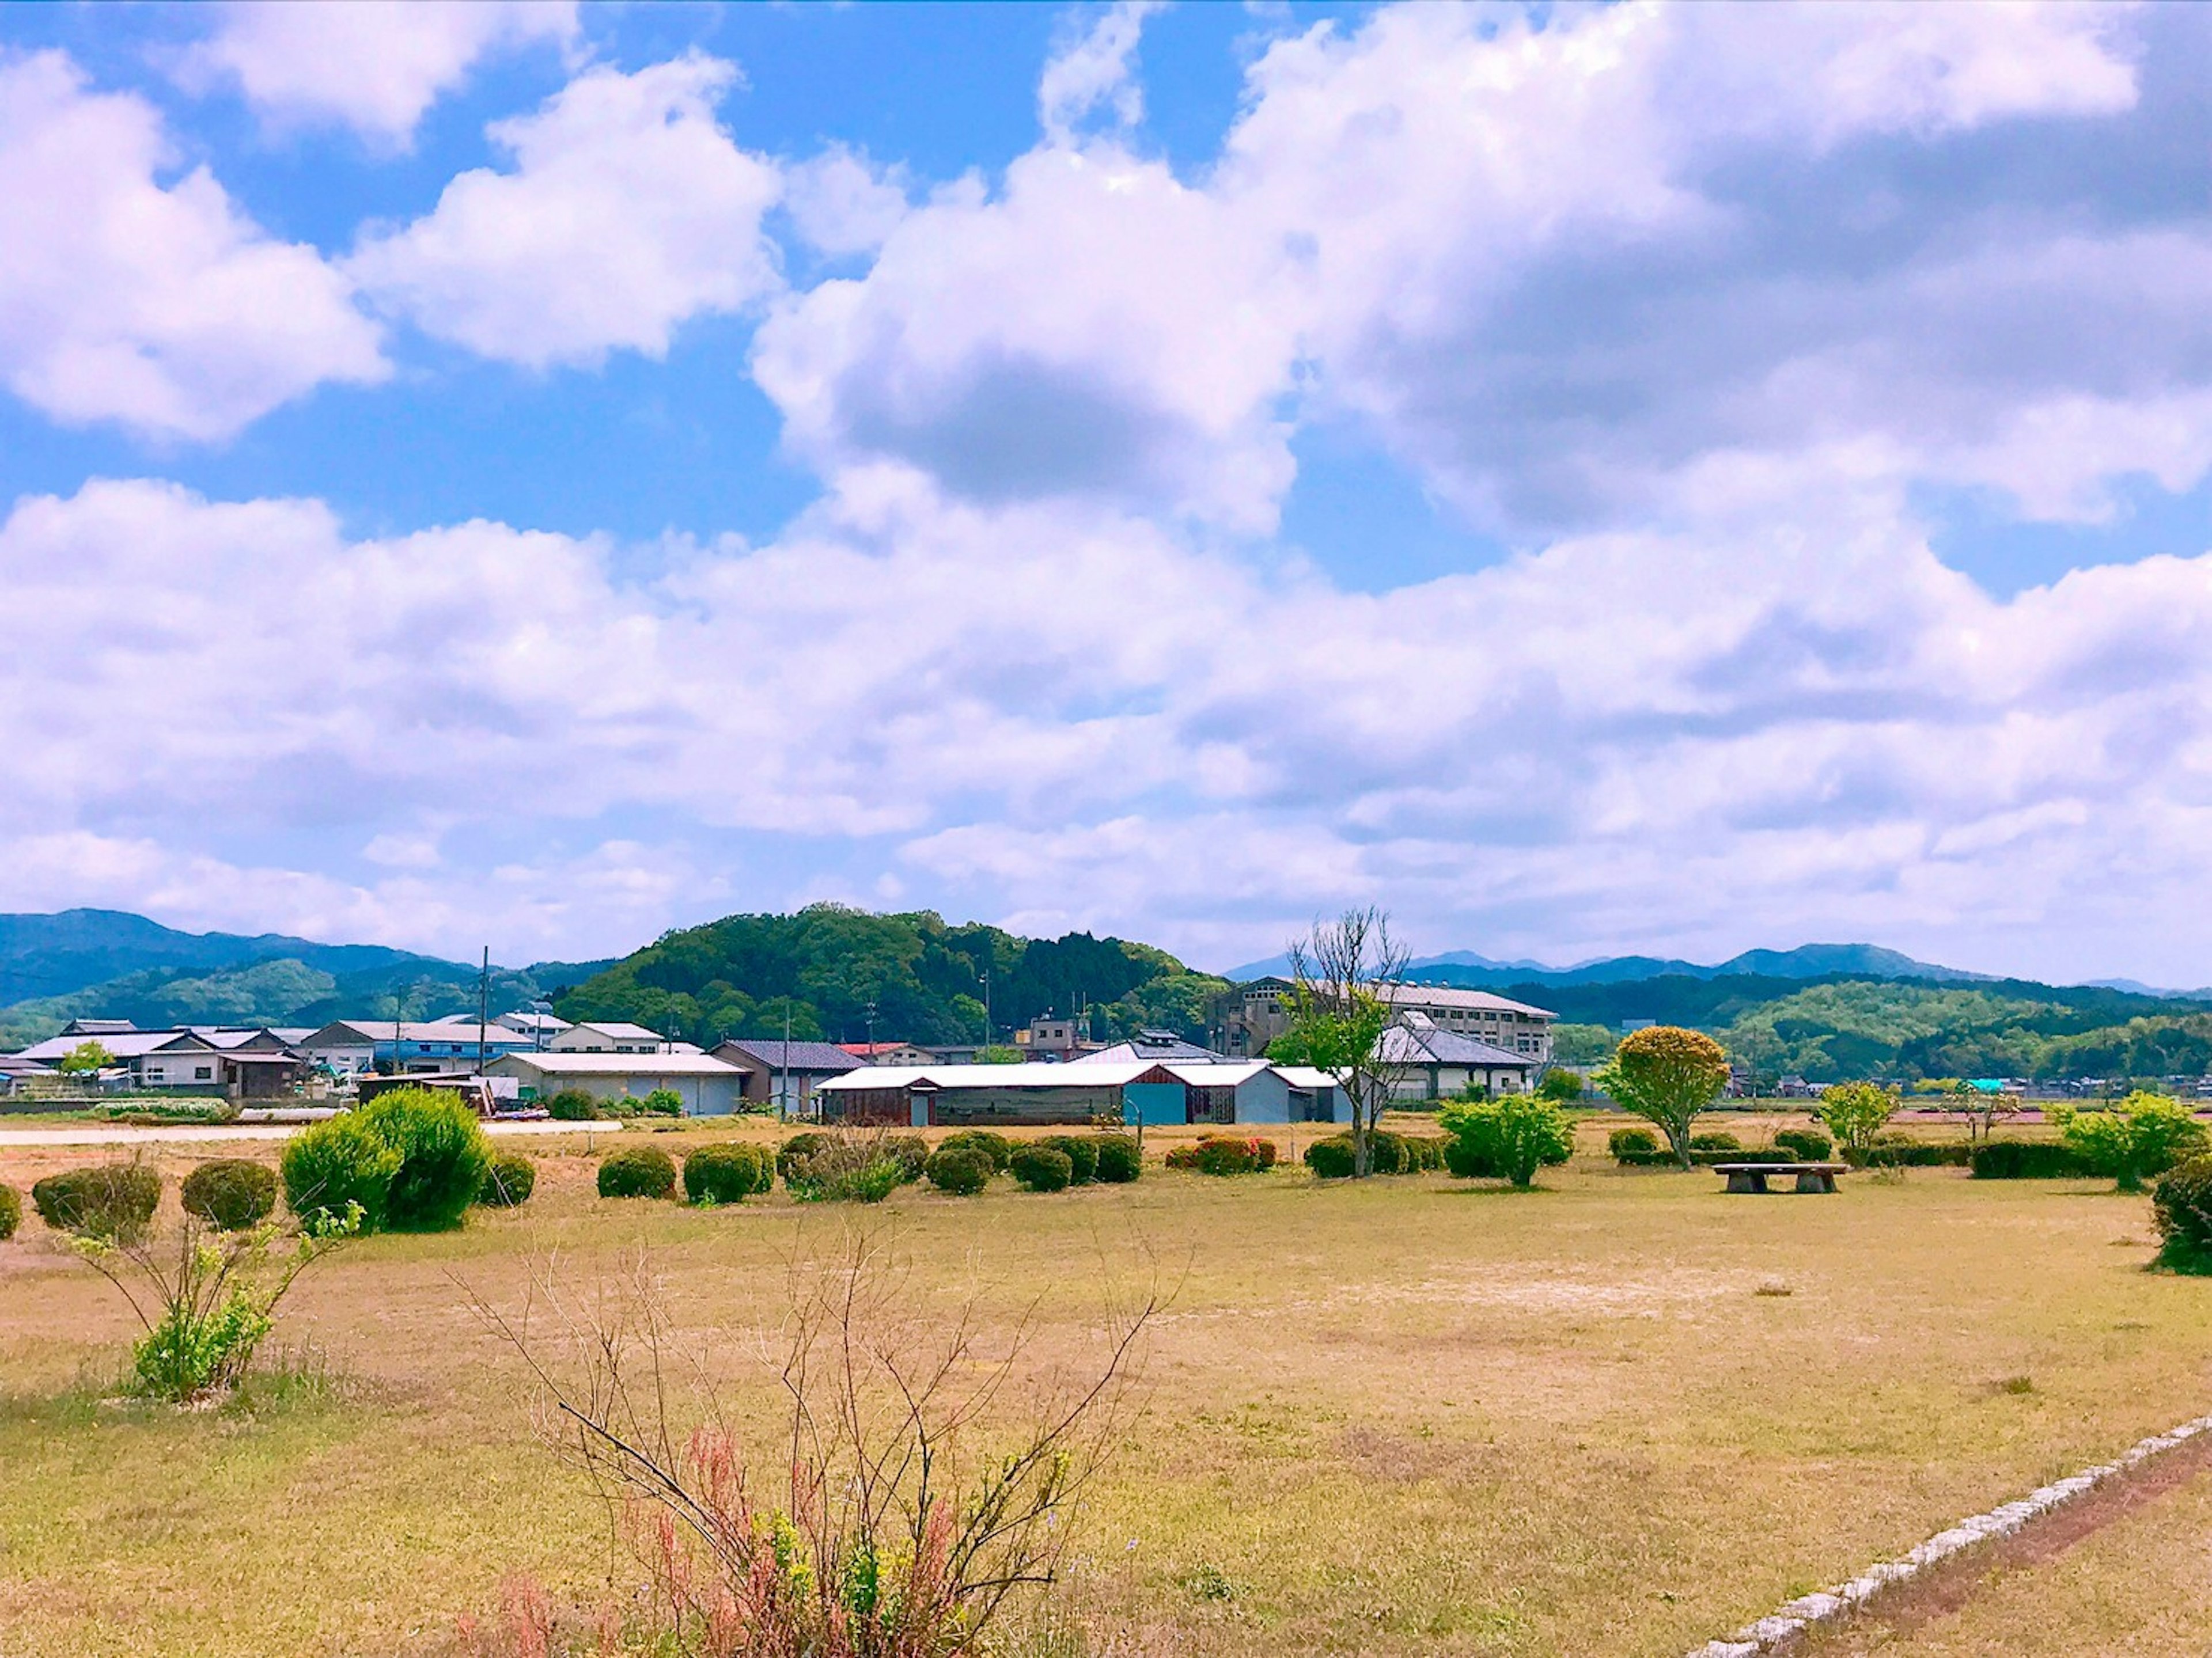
<point x="1118" y="1160"/>
<point x="231" y="1193"/>
<point x="1806" y="1144"/>
<point x="960" y="1170"/>
<point x="2027" y="1160"/>
<point x="510" y="1179"/>
<point x="1082" y="1152"/>
<point x="2181" y="1203"/>
<point x="1043" y="1168"/>
<point x="11" y="1210"/>
<point x="1704" y="1157"/>
<point x="1898" y="1150"/>
<point x="1225" y="1154"/>
<point x="997" y="1147"/>
<point x="637" y="1171"/>
<point x="112" y="1201"/>
<point x="729" y="1172"/>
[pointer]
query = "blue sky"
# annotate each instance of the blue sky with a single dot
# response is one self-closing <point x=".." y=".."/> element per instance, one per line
<point x="1669" y="479"/>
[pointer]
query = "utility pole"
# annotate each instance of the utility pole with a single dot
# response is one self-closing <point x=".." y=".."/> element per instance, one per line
<point x="783" y="1077"/>
<point x="484" y="1008"/>
<point x="871" y="1033"/>
<point x="986" y="1010"/>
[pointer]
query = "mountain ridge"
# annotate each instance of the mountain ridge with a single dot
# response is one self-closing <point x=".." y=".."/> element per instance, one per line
<point x="1468" y="968"/>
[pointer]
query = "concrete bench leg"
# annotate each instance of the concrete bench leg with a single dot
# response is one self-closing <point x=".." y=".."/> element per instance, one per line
<point x="1816" y="1180"/>
<point x="1747" y="1179"/>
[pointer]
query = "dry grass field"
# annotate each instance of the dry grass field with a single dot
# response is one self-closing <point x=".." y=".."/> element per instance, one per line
<point x="1619" y="1415"/>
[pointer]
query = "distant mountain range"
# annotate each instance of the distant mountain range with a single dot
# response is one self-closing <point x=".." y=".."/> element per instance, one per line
<point x="1465" y="968"/>
<point x="118" y="965"/>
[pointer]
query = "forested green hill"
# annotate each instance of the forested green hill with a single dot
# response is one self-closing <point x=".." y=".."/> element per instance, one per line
<point x="827" y="965"/>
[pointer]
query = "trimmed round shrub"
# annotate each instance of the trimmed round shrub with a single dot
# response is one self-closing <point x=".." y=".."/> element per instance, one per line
<point x="1806" y="1144"/>
<point x="510" y="1179"/>
<point x="1423" y="1151"/>
<point x="1386" y="1153"/>
<point x="11" y="1210"/>
<point x="637" y="1171"/>
<point x="1623" y="1144"/>
<point x="112" y="1201"/>
<point x="1331" y="1158"/>
<point x="2181" y="1203"/>
<point x="1225" y="1154"/>
<point x="960" y="1170"/>
<point x="727" y="1173"/>
<point x="573" y="1105"/>
<point x="337" y="1163"/>
<point x="1082" y="1156"/>
<point x="798" y="1148"/>
<point x="231" y="1193"/>
<point x="997" y="1147"/>
<point x="1467" y="1160"/>
<point x="1041" y="1167"/>
<point x="1719" y="1141"/>
<point x="909" y="1151"/>
<point x="443" y="1154"/>
<point x="1120" y="1161"/>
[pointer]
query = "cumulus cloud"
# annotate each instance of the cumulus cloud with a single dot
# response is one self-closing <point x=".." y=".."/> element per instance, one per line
<point x="628" y="211"/>
<point x="839" y="204"/>
<point x="1589" y="266"/>
<point x="374" y="65"/>
<point x="158" y="306"/>
<point x="1095" y="68"/>
<point x="1626" y="739"/>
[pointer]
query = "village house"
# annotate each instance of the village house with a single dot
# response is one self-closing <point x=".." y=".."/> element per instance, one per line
<point x="611" y="1036"/>
<point x="784" y="1075"/>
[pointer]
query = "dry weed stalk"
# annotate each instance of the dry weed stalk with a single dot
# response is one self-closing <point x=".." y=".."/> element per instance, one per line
<point x="901" y="1515"/>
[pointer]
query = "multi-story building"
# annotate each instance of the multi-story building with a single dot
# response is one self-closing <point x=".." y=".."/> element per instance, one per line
<point x="1257" y="1012"/>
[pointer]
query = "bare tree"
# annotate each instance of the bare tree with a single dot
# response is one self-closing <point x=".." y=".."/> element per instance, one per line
<point x="896" y="1516"/>
<point x="1343" y="980"/>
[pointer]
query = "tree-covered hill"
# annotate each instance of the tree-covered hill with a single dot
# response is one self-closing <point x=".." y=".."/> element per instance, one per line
<point x="1839" y="1028"/>
<point x="827" y="965"/>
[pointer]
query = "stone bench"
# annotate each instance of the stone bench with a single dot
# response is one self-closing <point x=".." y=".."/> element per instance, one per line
<point x="1752" y="1177"/>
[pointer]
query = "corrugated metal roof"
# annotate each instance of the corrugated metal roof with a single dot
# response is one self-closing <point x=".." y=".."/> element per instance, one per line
<point x="1113" y="1073"/>
<point x="1409" y="995"/>
<point x="777" y="1055"/>
<point x="615" y="1064"/>
<point x="1403" y="1045"/>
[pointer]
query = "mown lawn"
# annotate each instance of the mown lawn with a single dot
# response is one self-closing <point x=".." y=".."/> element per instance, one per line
<point x="1414" y="1415"/>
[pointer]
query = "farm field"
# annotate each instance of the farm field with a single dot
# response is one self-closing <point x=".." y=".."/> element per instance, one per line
<point x="1621" y="1415"/>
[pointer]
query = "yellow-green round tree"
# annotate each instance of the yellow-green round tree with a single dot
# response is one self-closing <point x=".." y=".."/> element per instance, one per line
<point x="1666" y="1075"/>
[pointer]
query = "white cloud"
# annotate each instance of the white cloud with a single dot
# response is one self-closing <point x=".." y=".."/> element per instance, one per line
<point x="1572" y="267"/>
<point x="160" y="306"/>
<point x="839" y="204"/>
<point x="1094" y="69"/>
<point x="628" y="211"/>
<point x="374" y="65"/>
<point x="1660" y="740"/>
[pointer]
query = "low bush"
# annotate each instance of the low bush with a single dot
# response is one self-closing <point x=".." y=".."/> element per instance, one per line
<point x="637" y="1171"/>
<point x="1082" y="1153"/>
<point x="1464" y="1161"/>
<point x="11" y="1210"/>
<point x="960" y="1170"/>
<point x="1041" y="1167"/>
<point x="1513" y="1136"/>
<point x="728" y="1172"/>
<point x="1665" y="1159"/>
<point x="795" y="1151"/>
<point x="2027" y="1160"/>
<point x="841" y="1169"/>
<point x="662" y="1102"/>
<point x="2134" y="1138"/>
<point x="573" y="1105"/>
<point x="1225" y="1154"/>
<point x="510" y="1179"/>
<point x="1330" y="1158"/>
<point x="231" y="1193"/>
<point x="2181" y="1204"/>
<point x="909" y="1151"/>
<point x="334" y="1167"/>
<point x="1806" y="1144"/>
<point x="1424" y="1153"/>
<point x="1718" y="1140"/>
<point x="443" y="1155"/>
<point x="114" y="1200"/>
<point x="1894" y="1149"/>
<point x="1626" y="1143"/>
<point x="1120" y="1161"/>
<point x="997" y="1147"/>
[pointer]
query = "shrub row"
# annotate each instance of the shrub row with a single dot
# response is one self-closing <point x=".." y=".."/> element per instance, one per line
<point x="1387" y="1154"/>
<point x="2027" y="1160"/>
<point x="1225" y="1154"/>
<point x="1892" y="1150"/>
<point x="1706" y="1157"/>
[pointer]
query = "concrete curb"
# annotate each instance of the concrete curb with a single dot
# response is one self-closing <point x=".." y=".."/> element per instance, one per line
<point x="1785" y="1623"/>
